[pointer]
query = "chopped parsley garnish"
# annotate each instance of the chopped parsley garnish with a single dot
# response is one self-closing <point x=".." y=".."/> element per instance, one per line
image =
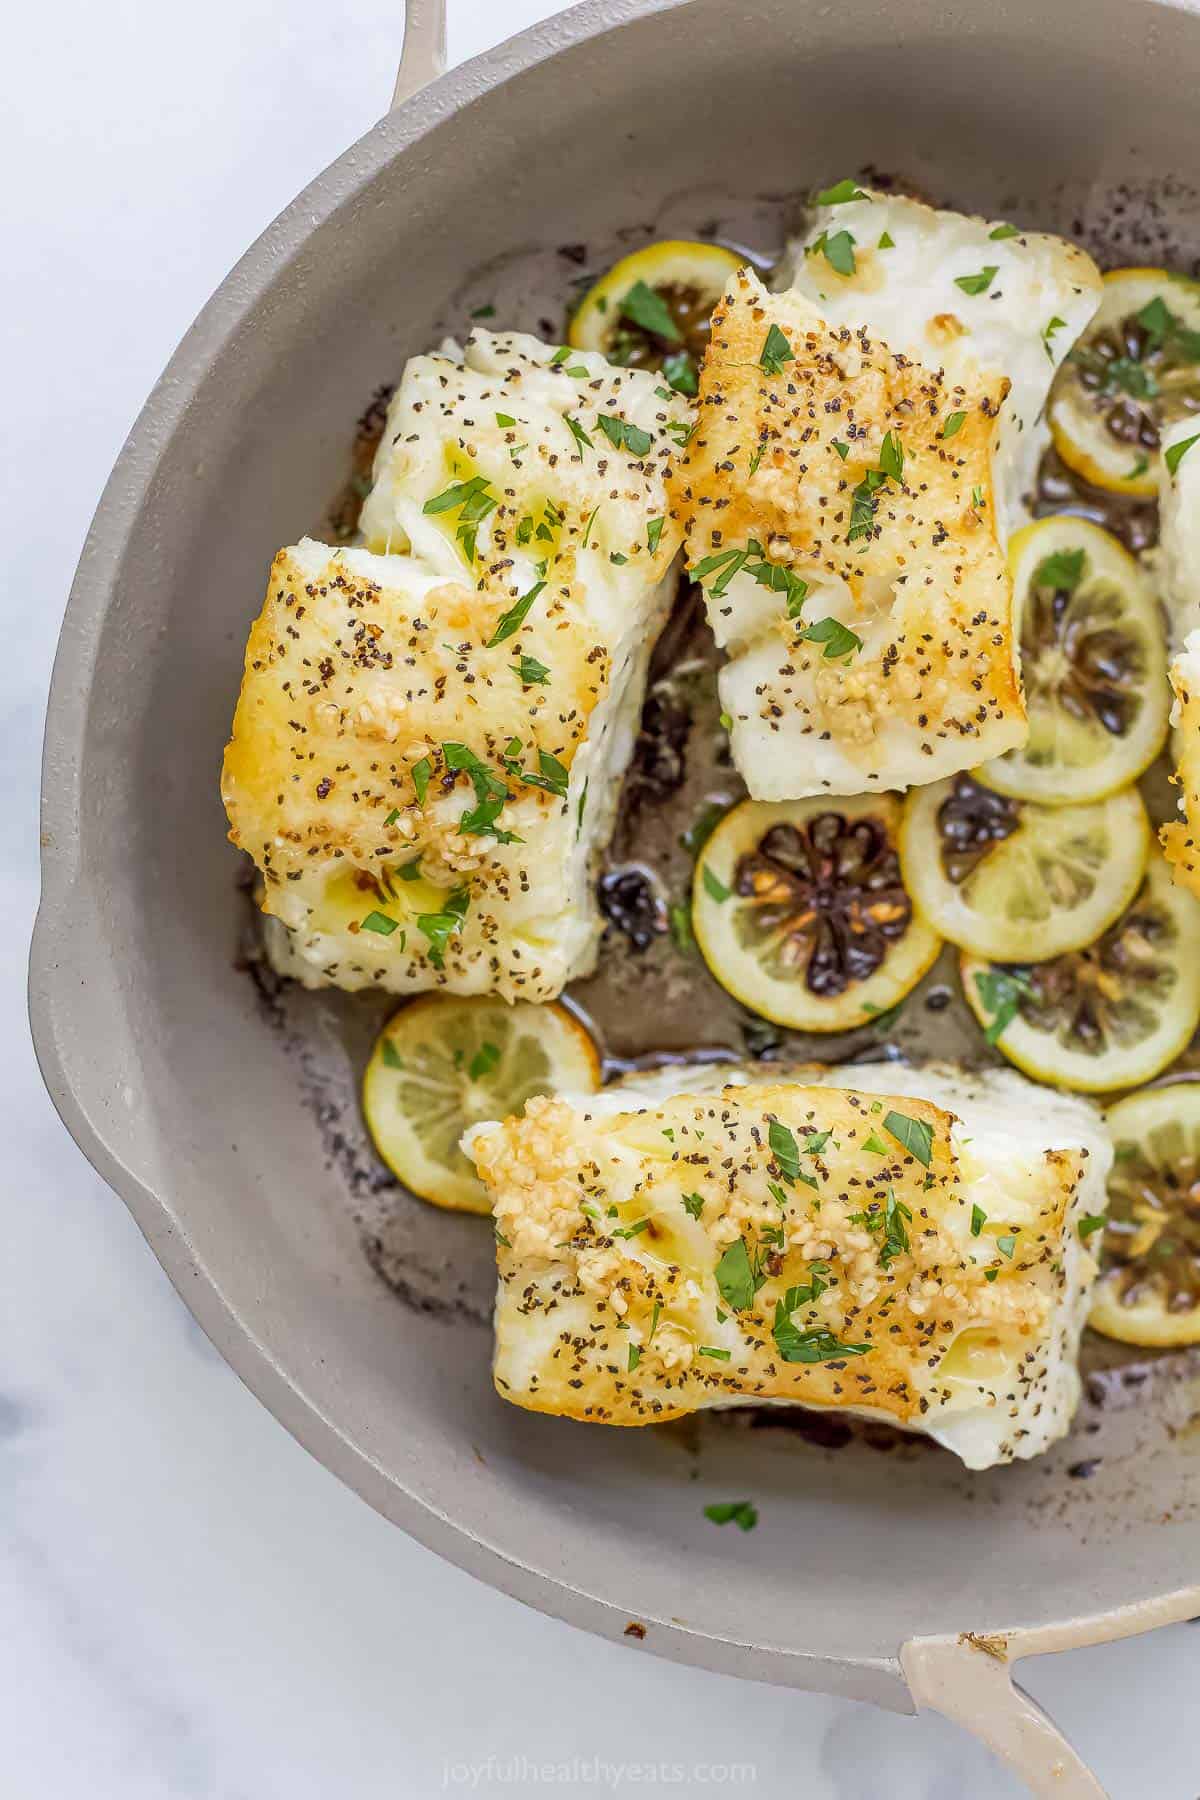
<point x="631" y="1231"/>
<point x="837" y="638"/>
<point x="411" y="870"/>
<point x="916" y="1135"/>
<point x="714" y="887"/>
<point x="886" y="241"/>
<point x="514" y="618"/>
<point x="1004" y="231"/>
<point x="978" y="1220"/>
<point x="654" y="531"/>
<point x="643" y="306"/>
<point x="1089" y="1223"/>
<point x="587" y="530"/>
<point x="815" y="1345"/>
<point x="837" y="250"/>
<point x="1006" y="1246"/>
<point x="977" y="284"/>
<point x="883" y="1018"/>
<point x="990" y="1274"/>
<point x="578" y="433"/>
<point x="679" y="923"/>
<point x="816" y="1141"/>
<point x="1000" y="993"/>
<point x="874" y="1146"/>
<point x="1174" y="454"/>
<point x="725" y="722"/>
<point x="552" y="776"/>
<point x="843" y="450"/>
<point x="622" y="435"/>
<point x="711" y="1350"/>
<point x="484" y="312"/>
<point x="1160" y="324"/>
<point x="756" y="459"/>
<point x="725" y="564"/>
<point x="735" y="1277"/>
<point x="784" y="1149"/>
<point x="439" y="927"/>
<point x="1125" y="374"/>
<point x="1141" y="465"/>
<point x="840" y="193"/>
<point x="635" y="1357"/>
<point x="775" y="352"/>
<point x="1056" y="324"/>
<point x="377" y="921"/>
<point x="977" y="498"/>
<point x="472" y="502"/>
<point x="693" y="1205"/>
<point x="679" y="431"/>
<point x="530" y="671"/>
<point x="862" y="504"/>
<point x="704" y="824"/>
<point x="391" y="1056"/>
<point x="560" y="356"/>
<point x="889" y="1219"/>
<point x="891" y="456"/>
<point x="1061" y="570"/>
<point x="483" y="1061"/>
<point x="733" y="1512"/>
<point x="680" y="370"/>
<point x="505" y="419"/>
<point x="615" y="556"/>
<point x="490" y="795"/>
<point x="392" y="817"/>
<point x="953" y="425"/>
<point x="421" y="773"/>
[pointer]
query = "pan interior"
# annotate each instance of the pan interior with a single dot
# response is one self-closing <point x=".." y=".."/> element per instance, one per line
<point x="237" y="1108"/>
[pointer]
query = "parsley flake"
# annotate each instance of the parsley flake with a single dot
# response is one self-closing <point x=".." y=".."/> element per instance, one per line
<point x="1004" y="231"/>
<point x="693" y="1205"/>
<point x="439" y="927"/>
<point x="645" y="307"/>
<point x="578" y="433"/>
<point x="483" y="1061"/>
<point x="735" y="1277"/>
<point x="953" y="425"/>
<point x="377" y="921"/>
<point x="1000" y="993"/>
<point x="622" y="435"/>
<point x="784" y="1149"/>
<point x="1091" y="1222"/>
<point x="733" y="1512"/>
<point x="775" y="352"/>
<point x="916" y="1135"/>
<point x="837" y="638"/>
<point x="977" y="284"/>
<point x="842" y="192"/>
<point x="654" y="531"/>
<point x="421" y="773"/>
<point x="515" y="617"/>
<point x="714" y="887"/>
<point x="978" y="1220"/>
<point x="530" y="671"/>
<point x="1175" y="453"/>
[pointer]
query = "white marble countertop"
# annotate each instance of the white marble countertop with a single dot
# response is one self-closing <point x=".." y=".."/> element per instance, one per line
<point x="192" y="1608"/>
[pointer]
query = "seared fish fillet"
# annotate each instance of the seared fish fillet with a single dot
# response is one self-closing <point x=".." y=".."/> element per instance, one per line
<point x="903" y="1244"/>
<point x="1027" y="296"/>
<point x="847" y="491"/>
<point x="429" y="744"/>
<point x="1179" y="512"/>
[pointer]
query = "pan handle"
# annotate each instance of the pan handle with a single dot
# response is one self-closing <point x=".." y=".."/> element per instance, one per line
<point x="423" y="54"/>
<point x="969" y="1680"/>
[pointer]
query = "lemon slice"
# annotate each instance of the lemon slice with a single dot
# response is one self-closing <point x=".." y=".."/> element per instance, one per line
<point x="1093" y="663"/>
<point x="1149" y="1293"/>
<point x="1107" y="1017"/>
<point x="441" y="1064"/>
<point x="801" y="913"/>
<point x="1135" y="370"/>
<point x="1016" y="882"/>
<point x="652" y="309"/>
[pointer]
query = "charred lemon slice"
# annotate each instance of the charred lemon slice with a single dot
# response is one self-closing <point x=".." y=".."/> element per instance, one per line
<point x="801" y="913"/>
<point x="1135" y="370"/>
<point x="1107" y="1017"/>
<point x="1015" y="882"/>
<point x="1093" y="661"/>
<point x="1149" y="1291"/>
<point x="441" y="1064"/>
<point x="652" y="309"/>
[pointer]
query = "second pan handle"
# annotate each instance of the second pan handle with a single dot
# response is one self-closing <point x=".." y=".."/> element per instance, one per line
<point x="423" y="54"/>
